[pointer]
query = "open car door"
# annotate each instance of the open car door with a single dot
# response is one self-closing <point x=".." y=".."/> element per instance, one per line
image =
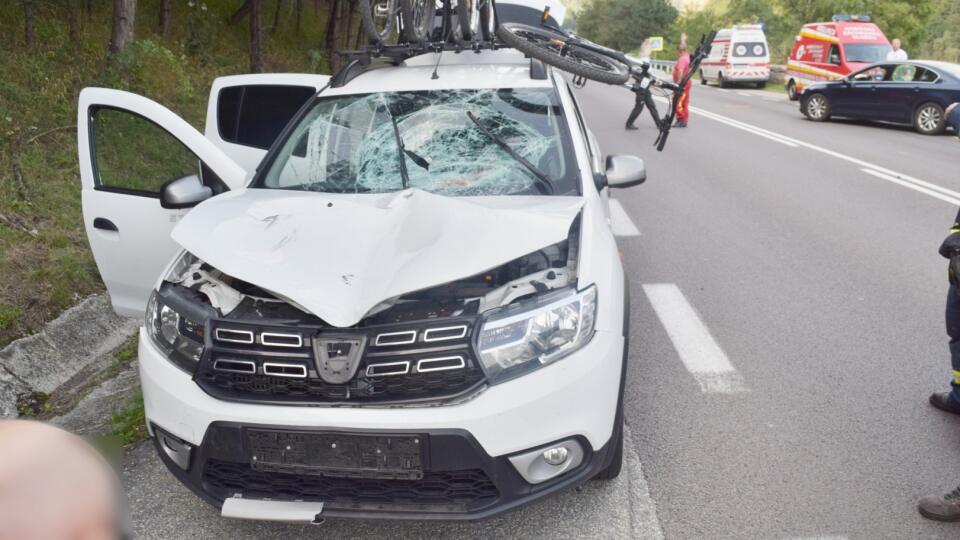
<point x="246" y="113"/>
<point x="129" y="148"/>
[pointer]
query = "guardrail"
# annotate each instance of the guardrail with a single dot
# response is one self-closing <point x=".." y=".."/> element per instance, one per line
<point x="665" y="66"/>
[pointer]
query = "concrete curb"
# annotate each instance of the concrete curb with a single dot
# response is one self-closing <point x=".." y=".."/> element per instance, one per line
<point x="81" y="339"/>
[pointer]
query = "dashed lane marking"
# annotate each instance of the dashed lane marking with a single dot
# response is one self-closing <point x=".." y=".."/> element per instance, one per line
<point x="691" y="338"/>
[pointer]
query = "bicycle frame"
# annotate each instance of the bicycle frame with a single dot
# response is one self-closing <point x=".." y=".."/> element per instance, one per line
<point x="571" y="40"/>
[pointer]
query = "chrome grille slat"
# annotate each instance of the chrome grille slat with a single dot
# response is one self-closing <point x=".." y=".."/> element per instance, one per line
<point x="264" y="336"/>
<point x="460" y="329"/>
<point x="228" y="335"/>
<point x="234" y="366"/>
<point x="412" y="338"/>
<point x="423" y="365"/>
<point x="278" y="369"/>
<point x="372" y="369"/>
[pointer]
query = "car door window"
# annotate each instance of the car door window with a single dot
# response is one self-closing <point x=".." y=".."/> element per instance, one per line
<point x="874" y="74"/>
<point x="134" y="155"/>
<point x="254" y="115"/>
<point x="834" y="56"/>
<point x="913" y="73"/>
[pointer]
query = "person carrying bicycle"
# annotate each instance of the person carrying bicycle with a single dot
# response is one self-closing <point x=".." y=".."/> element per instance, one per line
<point x="641" y="89"/>
<point x="680" y="71"/>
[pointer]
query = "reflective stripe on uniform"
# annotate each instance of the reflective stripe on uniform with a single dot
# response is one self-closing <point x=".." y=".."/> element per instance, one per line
<point x="956" y="376"/>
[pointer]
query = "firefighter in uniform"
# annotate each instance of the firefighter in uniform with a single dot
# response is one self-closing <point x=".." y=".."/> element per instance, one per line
<point x="947" y="507"/>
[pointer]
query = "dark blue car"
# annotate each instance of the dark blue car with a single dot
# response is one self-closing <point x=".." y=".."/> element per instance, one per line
<point x="904" y="92"/>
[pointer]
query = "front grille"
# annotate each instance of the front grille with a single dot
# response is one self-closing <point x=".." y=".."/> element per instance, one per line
<point x="423" y="361"/>
<point x="447" y="491"/>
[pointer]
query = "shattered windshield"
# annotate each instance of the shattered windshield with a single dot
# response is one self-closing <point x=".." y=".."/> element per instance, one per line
<point x="347" y="144"/>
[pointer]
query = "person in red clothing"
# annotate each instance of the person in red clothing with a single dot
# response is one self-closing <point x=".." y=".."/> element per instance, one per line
<point x="679" y="72"/>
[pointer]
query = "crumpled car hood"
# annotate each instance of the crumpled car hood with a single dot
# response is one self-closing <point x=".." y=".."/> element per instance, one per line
<point x="339" y="255"/>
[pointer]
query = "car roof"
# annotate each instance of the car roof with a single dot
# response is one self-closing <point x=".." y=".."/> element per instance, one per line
<point x="502" y="68"/>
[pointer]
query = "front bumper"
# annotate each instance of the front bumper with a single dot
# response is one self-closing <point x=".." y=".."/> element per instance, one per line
<point x="575" y="398"/>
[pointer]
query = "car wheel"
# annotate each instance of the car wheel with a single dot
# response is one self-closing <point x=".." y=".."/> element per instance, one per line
<point x="817" y="108"/>
<point x="720" y="82"/>
<point x="792" y="91"/>
<point x="929" y="119"/>
<point x="703" y="80"/>
<point x="761" y="85"/>
<point x="616" y="461"/>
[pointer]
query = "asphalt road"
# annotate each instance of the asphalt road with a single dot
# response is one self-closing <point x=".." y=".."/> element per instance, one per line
<point x="787" y="329"/>
<point x="822" y="285"/>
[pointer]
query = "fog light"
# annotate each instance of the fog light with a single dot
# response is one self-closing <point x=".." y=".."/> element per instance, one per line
<point x="542" y="464"/>
<point x="177" y="450"/>
<point x="555" y="456"/>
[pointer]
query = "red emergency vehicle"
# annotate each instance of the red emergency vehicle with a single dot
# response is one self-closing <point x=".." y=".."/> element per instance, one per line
<point x="830" y="50"/>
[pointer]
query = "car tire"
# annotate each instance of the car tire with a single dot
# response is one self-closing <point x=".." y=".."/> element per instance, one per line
<point x="721" y="82"/>
<point x="703" y="80"/>
<point x="616" y="460"/>
<point x="929" y="119"/>
<point x="792" y="91"/>
<point x="761" y="85"/>
<point x="817" y="107"/>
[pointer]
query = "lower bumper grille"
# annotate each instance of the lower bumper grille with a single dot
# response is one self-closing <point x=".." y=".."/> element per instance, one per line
<point x="451" y="491"/>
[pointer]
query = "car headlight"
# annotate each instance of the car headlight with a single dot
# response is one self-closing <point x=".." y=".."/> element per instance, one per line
<point x="520" y="338"/>
<point x="177" y="336"/>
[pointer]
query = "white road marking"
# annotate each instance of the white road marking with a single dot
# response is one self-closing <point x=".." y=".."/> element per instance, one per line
<point x="724" y="90"/>
<point x="926" y="191"/>
<point x="741" y="125"/>
<point x="698" y="351"/>
<point x="746" y="127"/>
<point x="620" y="221"/>
<point x="748" y="94"/>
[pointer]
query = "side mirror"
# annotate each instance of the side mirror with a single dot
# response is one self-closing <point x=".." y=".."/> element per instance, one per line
<point x="846" y="81"/>
<point x="624" y="171"/>
<point x="184" y="192"/>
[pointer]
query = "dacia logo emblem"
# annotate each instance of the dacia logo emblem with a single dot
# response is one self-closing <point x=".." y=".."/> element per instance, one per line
<point x="338" y="357"/>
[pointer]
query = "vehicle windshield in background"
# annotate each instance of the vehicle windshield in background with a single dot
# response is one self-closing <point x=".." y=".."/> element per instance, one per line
<point x="867" y="54"/>
<point x="750" y="49"/>
<point x="347" y="144"/>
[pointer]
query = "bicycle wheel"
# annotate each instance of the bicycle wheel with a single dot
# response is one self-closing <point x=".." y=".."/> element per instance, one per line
<point x="546" y="46"/>
<point x="456" y="21"/>
<point x="378" y="18"/>
<point x="416" y="18"/>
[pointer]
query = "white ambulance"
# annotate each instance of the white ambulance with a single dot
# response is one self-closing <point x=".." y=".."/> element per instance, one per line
<point x="737" y="55"/>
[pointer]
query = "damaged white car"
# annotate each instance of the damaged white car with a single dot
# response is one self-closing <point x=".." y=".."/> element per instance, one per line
<point x="397" y="297"/>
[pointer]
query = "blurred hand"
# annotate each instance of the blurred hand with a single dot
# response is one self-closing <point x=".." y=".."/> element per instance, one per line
<point x="53" y="486"/>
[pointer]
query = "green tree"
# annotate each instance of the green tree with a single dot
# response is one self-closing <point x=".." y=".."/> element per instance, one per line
<point x="943" y="32"/>
<point x="624" y="24"/>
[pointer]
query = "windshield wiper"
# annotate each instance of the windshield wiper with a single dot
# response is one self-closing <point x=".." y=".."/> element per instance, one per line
<point x="402" y="151"/>
<point x="544" y="182"/>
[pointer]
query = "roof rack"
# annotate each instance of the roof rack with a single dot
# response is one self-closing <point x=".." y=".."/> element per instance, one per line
<point x="380" y="55"/>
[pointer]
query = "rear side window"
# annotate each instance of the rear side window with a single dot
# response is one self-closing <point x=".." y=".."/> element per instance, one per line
<point x="255" y="115"/>
<point x="750" y="49"/>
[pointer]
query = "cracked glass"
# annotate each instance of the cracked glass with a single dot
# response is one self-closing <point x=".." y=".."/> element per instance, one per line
<point x="347" y="144"/>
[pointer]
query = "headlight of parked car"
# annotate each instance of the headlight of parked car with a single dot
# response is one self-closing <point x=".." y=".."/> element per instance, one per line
<point x="522" y="337"/>
<point x="176" y="335"/>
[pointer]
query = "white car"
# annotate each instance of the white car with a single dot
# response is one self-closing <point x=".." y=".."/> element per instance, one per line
<point x="398" y="297"/>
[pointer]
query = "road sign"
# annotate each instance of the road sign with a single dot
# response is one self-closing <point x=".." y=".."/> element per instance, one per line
<point x="656" y="43"/>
